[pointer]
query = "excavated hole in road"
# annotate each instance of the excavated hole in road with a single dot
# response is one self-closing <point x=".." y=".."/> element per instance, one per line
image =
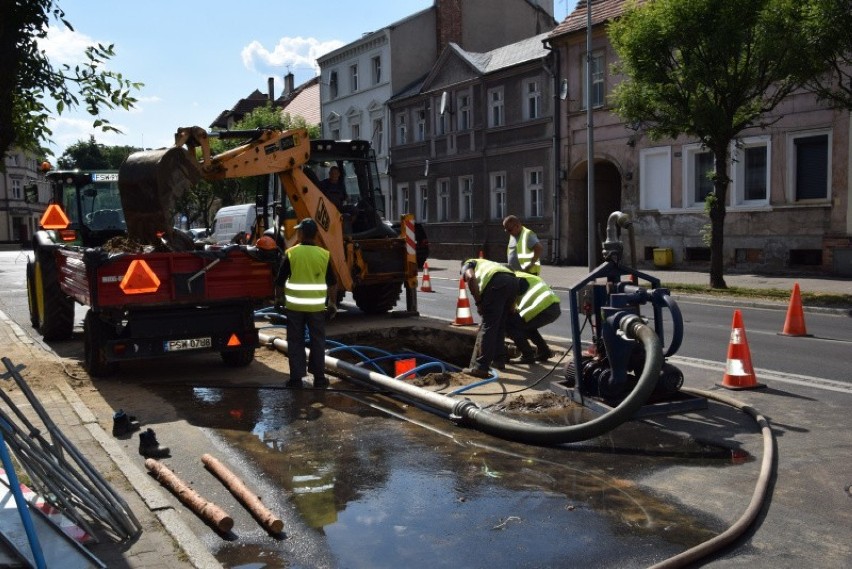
<point x="451" y="346"/>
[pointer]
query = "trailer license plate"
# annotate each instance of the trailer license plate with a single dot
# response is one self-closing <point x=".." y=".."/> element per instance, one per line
<point x="189" y="344"/>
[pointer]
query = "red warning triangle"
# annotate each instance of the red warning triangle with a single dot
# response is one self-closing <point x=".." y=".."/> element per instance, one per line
<point x="54" y="218"/>
<point x="234" y="341"/>
<point x="139" y="278"/>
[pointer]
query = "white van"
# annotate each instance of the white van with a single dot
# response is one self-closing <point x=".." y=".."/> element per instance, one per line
<point x="232" y="220"/>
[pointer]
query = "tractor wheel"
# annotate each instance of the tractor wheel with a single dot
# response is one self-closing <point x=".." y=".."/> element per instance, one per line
<point x="238" y="358"/>
<point x="55" y="309"/>
<point x="378" y="298"/>
<point x="31" y="295"/>
<point x="96" y="333"/>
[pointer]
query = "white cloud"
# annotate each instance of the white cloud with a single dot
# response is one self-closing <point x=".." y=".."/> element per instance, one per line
<point x="289" y="52"/>
<point x="65" y="46"/>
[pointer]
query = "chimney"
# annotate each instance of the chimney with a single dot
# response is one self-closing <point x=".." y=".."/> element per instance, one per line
<point x="448" y="21"/>
<point x="270" y="87"/>
<point x="289" y="85"/>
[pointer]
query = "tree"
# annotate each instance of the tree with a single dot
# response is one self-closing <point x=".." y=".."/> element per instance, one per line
<point x="829" y="24"/>
<point x="709" y="70"/>
<point x="28" y="79"/>
<point x="89" y="155"/>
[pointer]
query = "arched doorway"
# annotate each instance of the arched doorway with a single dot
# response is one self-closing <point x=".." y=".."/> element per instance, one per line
<point x="575" y="228"/>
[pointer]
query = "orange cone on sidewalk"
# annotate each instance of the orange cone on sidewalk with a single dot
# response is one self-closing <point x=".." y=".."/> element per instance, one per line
<point x="794" y="325"/>
<point x="481" y="254"/>
<point x="426" y="285"/>
<point x="463" y="314"/>
<point x="739" y="373"/>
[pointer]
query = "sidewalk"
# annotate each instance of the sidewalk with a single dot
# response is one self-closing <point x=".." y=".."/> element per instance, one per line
<point x="564" y="277"/>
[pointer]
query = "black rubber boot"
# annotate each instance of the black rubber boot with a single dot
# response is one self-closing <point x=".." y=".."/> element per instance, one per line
<point x="122" y="423"/>
<point x="149" y="447"/>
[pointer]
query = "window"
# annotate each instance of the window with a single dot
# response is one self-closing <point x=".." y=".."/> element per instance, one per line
<point x="17" y="192"/>
<point x="750" y="171"/>
<point x="355" y="129"/>
<point x="466" y="198"/>
<point x="464" y="112"/>
<point x="401" y="130"/>
<point x="597" y="79"/>
<point x="332" y="85"/>
<point x="443" y="200"/>
<point x="442" y="124"/>
<point x="378" y="135"/>
<point x="404" y="203"/>
<point x="420" y="130"/>
<point x="534" y="190"/>
<point x="498" y="195"/>
<point x="353" y="78"/>
<point x="495" y="107"/>
<point x="655" y="180"/>
<point x="810" y="162"/>
<point x="377" y="70"/>
<point x="698" y="165"/>
<point x="532" y="109"/>
<point x="423" y="201"/>
<point x="335" y="134"/>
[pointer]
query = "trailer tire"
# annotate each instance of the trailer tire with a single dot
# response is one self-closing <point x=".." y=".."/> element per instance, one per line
<point x="31" y="295"/>
<point x="55" y="309"/>
<point x="377" y="298"/>
<point x="96" y="333"/>
<point x="237" y="358"/>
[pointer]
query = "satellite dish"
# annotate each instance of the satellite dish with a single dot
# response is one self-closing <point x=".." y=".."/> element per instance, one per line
<point x="563" y="90"/>
<point x="445" y="102"/>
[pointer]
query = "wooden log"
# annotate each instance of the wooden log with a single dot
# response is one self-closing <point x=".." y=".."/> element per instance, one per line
<point x="247" y="498"/>
<point x="207" y="511"/>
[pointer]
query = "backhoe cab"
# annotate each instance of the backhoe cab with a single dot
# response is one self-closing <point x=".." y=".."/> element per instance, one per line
<point x="369" y="258"/>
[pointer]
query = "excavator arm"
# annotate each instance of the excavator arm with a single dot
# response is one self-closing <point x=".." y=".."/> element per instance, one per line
<point x="151" y="180"/>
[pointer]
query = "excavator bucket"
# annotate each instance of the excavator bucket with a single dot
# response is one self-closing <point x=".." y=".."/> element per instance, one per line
<point x="149" y="182"/>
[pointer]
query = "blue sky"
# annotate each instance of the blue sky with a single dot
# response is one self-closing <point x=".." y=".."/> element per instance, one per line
<point x="197" y="59"/>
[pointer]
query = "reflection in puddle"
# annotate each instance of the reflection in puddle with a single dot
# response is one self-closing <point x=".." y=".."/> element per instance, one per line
<point x="374" y="491"/>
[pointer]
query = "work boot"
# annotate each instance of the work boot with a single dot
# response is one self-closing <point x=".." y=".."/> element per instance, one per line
<point x="477" y="372"/>
<point x="542" y="355"/>
<point x="320" y="383"/>
<point x="294" y="383"/>
<point x="149" y="447"/>
<point x="526" y="358"/>
<point x="122" y="423"/>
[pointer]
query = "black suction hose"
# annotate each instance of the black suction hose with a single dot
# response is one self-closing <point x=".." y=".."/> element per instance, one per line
<point x="469" y="414"/>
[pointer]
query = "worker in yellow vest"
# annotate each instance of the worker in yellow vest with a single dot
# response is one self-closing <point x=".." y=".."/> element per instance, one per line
<point x="536" y="306"/>
<point x="310" y="288"/>
<point x="493" y="288"/>
<point x="524" y="250"/>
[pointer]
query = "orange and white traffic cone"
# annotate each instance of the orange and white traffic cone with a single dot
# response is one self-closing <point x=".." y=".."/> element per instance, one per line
<point x="426" y="284"/>
<point x="463" y="314"/>
<point x="739" y="373"/>
<point x="481" y="254"/>
<point x="794" y="325"/>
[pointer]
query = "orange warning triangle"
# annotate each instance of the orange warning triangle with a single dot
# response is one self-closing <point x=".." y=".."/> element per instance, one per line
<point x="54" y="218"/>
<point x="139" y="278"/>
<point x="234" y="341"/>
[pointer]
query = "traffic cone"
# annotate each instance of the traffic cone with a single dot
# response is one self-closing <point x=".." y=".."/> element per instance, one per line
<point x="794" y="325"/>
<point x="739" y="373"/>
<point x="426" y="284"/>
<point x="481" y="254"/>
<point x="463" y="314"/>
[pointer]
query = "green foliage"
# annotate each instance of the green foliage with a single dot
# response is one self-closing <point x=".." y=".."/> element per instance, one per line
<point x="829" y="25"/>
<point x="89" y="155"/>
<point x="29" y="82"/>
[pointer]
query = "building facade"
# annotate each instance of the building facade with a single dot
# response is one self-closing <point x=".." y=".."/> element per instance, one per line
<point x="19" y="217"/>
<point x="472" y="143"/>
<point x="358" y="79"/>
<point x="788" y="205"/>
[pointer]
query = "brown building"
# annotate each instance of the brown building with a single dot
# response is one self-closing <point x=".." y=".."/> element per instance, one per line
<point x="473" y="142"/>
<point x="788" y="206"/>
